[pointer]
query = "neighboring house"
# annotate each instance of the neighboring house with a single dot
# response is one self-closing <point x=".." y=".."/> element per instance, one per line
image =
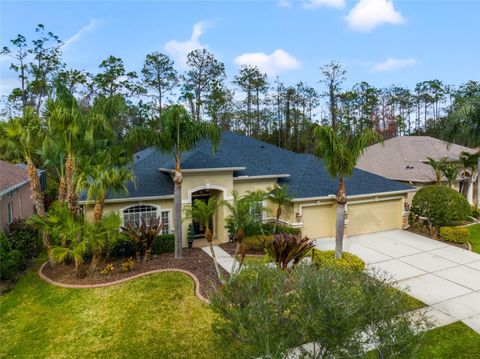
<point x="244" y="164"/>
<point x="15" y="193"/>
<point x="404" y="159"/>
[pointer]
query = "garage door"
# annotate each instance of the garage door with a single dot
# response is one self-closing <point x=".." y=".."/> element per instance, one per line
<point x="374" y="216"/>
<point x="318" y="221"/>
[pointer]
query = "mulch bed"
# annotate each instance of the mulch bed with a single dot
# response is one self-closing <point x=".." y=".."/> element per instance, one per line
<point x="425" y="232"/>
<point x="194" y="260"/>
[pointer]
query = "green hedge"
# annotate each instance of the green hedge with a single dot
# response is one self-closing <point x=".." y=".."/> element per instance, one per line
<point x="124" y="247"/>
<point x="25" y="238"/>
<point x="257" y="243"/>
<point x="164" y="244"/>
<point x="348" y="261"/>
<point x="475" y="212"/>
<point x="12" y="261"/>
<point x="442" y="205"/>
<point x="454" y="234"/>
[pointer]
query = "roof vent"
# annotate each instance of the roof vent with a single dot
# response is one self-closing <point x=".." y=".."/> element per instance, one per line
<point x="262" y="146"/>
<point x="409" y="167"/>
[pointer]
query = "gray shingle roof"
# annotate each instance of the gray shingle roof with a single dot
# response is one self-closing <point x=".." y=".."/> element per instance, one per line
<point x="308" y="177"/>
<point x="403" y="158"/>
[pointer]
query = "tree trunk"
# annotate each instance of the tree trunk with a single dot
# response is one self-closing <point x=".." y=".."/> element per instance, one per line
<point x="69" y="177"/>
<point x="177" y="203"/>
<point x="94" y="262"/>
<point x="340" y="219"/>
<point x="277" y="219"/>
<point x="98" y="209"/>
<point x="208" y="237"/>
<point x="61" y="190"/>
<point x="37" y="196"/>
<point x="238" y="238"/>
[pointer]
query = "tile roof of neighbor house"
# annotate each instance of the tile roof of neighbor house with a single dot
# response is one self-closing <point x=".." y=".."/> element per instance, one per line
<point x="11" y="176"/>
<point x="307" y="176"/>
<point x="403" y="158"/>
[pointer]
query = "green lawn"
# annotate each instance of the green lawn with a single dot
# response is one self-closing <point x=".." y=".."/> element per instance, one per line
<point x="156" y="316"/>
<point x="474" y="237"/>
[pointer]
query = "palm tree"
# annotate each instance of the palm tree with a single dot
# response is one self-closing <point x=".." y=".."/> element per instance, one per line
<point x="179" y="134"/>
<point x="256" y="198"/>
<point x="203" y="212"/>
<point x="438" y="166"/>
<point x="469" y="163"/>
<point x="103" y="173"/>
<point x="340" y="153"/>
<point x="22" y="136"/>
<point x="240" y="221"/>
<point x="279" y="196"/>
<point x="450" y="171"/>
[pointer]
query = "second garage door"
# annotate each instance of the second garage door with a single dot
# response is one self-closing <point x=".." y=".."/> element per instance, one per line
<point x="374" y="216"/>
<point x="318" y="221"/>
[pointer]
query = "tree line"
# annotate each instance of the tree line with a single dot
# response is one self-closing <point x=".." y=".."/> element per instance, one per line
<point x="250" y="102"/>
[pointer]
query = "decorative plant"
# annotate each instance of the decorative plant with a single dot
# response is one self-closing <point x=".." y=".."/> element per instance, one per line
<point x="108" y="269"/>
<point x="438" y="167"/>
<point x="143" y="236"/>
<point x="203" y="212"/>
<point x="128" y="265"/>
<point x="279" y="195"/>
<point x="190" y="235"/>
<point x="290" y="248"/>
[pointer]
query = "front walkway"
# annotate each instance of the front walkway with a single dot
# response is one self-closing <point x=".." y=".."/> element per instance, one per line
<point x="445" y="277"/>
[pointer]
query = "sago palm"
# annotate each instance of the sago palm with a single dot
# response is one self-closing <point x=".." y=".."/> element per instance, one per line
<point x="438" y="167"/>
<point x="203" y="213"/>
<point x="340" y="153"/>
<point x="279" y="195"/>
<point x="179" y="134"/>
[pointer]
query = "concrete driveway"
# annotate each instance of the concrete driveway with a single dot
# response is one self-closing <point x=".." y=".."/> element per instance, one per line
<point x="445" y="277"/>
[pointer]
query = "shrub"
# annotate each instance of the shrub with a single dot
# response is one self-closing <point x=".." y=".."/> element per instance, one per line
<point x="143" y="236"/>
<point x="258" y="243"/>
<point x="442" y="205"/>
<point x="475" y="212"/>
<point x="288" y="249"/>
<point x="268" y="229"/>
<point x="108" y="269"/>
<point x="12" y="261"/>
<point x="164" y="243"/>
<point x="123" y="247"/>
<point x="454" y="234"/>
<point x="348" y="261"/>
<point x="25" y="238"/>
<point x="128" y="265"/>
<point x="328" y="306"/>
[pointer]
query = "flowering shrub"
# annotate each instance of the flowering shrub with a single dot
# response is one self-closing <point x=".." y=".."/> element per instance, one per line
<point x="108" y="269"/>
<point x="128" y="265"/>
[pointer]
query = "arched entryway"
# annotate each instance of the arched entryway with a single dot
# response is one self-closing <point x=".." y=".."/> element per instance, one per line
<point x="217" y="223"/>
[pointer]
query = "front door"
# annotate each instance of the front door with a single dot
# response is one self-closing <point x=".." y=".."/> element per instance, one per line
<point x="199" y="228"/>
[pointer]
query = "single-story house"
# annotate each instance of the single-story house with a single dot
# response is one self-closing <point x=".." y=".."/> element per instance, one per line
<point x="244" y="164"/>
<point x="404" y="159"/>
<point x="15" y="193"/>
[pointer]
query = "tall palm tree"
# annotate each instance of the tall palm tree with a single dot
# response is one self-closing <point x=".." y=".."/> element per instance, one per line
<point x="450" y="171"/>
<point x="203" y="212"/>
<point x="279" y="195"/>
<point x="438" y="167"/>
<point x="469" y="162"/>
<point x="340" y="153"/>
<point x="23" y="136"/>
<point x="240" y="221"/>
<point x="179" y="134"/>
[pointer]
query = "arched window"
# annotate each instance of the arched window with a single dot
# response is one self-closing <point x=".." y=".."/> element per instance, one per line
<point x="135" y="214"/>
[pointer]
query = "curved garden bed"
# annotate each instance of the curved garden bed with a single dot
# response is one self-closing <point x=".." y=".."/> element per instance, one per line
<point x="195" y="263"/>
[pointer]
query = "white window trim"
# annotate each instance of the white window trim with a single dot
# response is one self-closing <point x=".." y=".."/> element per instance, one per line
<point x="157" y="207"/>
<point x="10" y="214"/>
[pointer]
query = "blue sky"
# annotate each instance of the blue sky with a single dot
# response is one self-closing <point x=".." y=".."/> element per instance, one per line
<point x="382" y="42"/>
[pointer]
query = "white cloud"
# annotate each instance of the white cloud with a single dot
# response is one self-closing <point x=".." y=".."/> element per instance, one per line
<point x="368" y="14"/>
<point x="90" y="27"/>
<point x="392" y="64"/>
<point x="285" y="4"/>
<point x="278" y="61"/>
<point x="314" y="4"/>
<point x="180" y="49"/>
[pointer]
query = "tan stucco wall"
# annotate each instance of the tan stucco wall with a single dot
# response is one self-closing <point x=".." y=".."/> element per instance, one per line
<point x="22" y="205"/>
<point x="318" y="220"/>
<point x="253" y="185"/>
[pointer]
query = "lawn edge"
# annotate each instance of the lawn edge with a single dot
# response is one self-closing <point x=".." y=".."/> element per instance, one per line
<point x="198" y="294"/>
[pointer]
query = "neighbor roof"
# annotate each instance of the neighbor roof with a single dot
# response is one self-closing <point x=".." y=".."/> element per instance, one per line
<point x="247" y="156"/>
<point x="11" y="176"/>
<point x="403" y="158"/>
